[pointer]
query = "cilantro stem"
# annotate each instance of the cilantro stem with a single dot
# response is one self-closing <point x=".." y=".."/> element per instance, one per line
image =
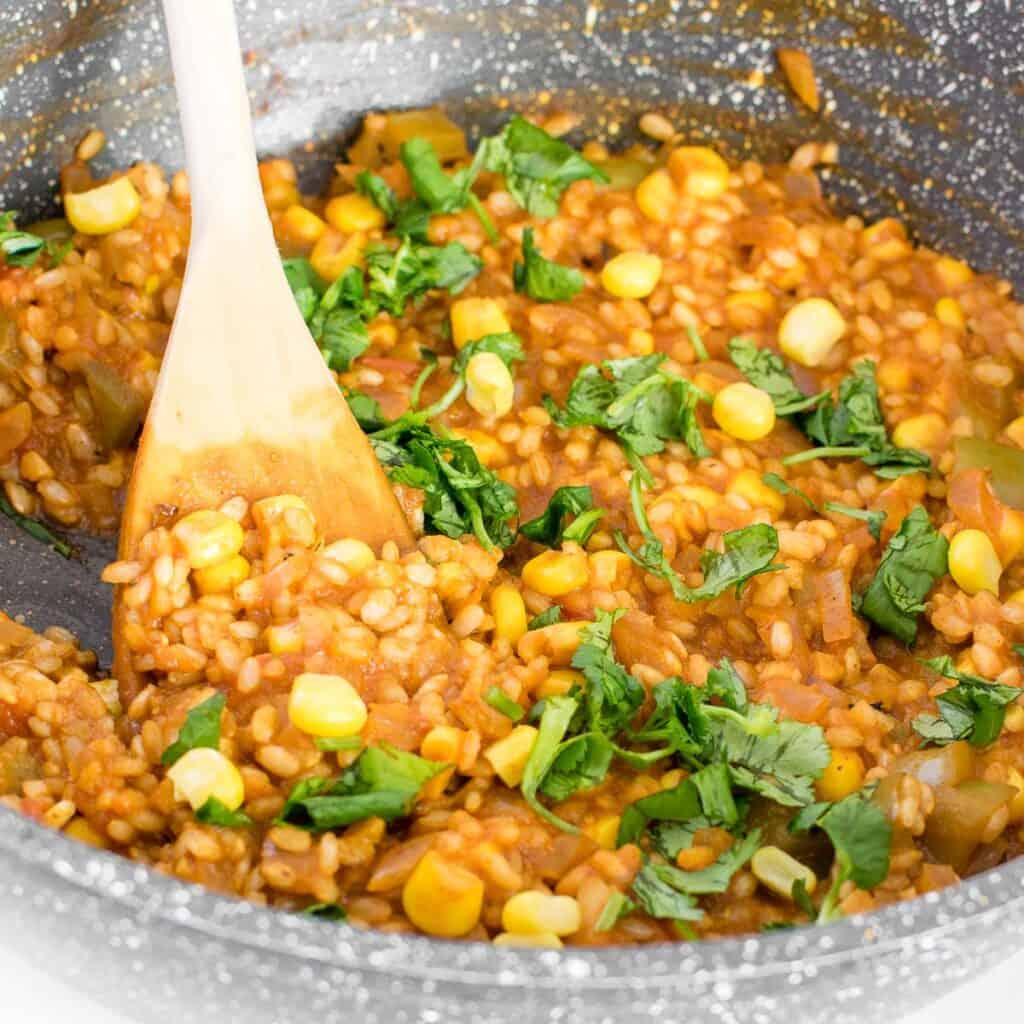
<point x="485" y="219"/>
<point x="623" y="402"/>
<point x="843" y="452"/>
<point x="698" y="344"/>
<point x="417" y="388"/>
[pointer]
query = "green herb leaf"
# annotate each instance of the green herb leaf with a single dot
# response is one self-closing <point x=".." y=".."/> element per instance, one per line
<point x="536" y="167"/>
<point x="802" y="898"/>
<point x="37" y="529"/>
<point x="215" y="812"/>
<point x="716" y="877"/>
<point x="613" y="696"/>
<point x="23" y="249"/>
<point x="554" y="724"/>
<point x="200" y="729"/>
<point x="699" y="348"/>
<point x="725" y="683"/>
<point x="548" y="617"/>
<point x="550" y="527"/>
<point x="679" y="804"/>
<point x="660" y="899"/>
<point x="776" y="483"/>
<point x="332" y="744"/>
<point x="365" y="409"/>
<point x="615" y="909"/>
<point x="767" y="371"/>
<point x="498" y="699"/>
<point x="375" y="188"/>
<point x="579" y="764"/>
<point x="972" y="710"/>
<point x="398" y="276"/>
<point x="326" y="911"/>
<point x="875" y="518"/>
<point x="914" y="559"/>
<point x="382" y="783"/>
<point x="543" y="279"/>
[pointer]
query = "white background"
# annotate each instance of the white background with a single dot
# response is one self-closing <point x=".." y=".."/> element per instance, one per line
<point x="30" y="997"/>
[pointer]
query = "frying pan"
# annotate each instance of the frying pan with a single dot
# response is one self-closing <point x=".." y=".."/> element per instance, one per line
<point x="926" y="100"/>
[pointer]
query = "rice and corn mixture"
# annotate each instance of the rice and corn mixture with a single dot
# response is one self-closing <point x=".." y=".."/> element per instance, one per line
<point x="713" y="622"/>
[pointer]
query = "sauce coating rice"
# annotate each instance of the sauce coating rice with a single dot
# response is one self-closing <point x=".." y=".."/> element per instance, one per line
<point x="406" y="687"/>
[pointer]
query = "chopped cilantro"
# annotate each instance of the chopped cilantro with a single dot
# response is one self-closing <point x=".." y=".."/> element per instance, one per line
<point x="215" y="812"/>
<point x="365" y="409"/>
<point x="613" y="696"/>
<point x="551" y="528"/>
<point x="767" y="371"/>
<point x="398" y="276"/>
<point x="536" y="167"/>
<point x="332" y="744"/>
<point x="580" y="763"/>
<point x="617" y="906"/>
<point x="375" y="188"/>
<point x="913" y="560"/>
<point x="383" y="782"/>
<point x="875" y="518"/>
<point x="200" y="729"/>
<point x="699" y="348"/>
<point x="23" y="249"/>
<point x="37" y="529"/>
<point x="548" y="617"/>
<point x="679" y="804"/>
<point x="554" y="724"/>
<point x="972" y="710"/>
<point x="776" y="483"/>
<point x="498" y="699"/>
<point x="802" y="898"/>
<point x="543" y="279"/>
<point x="326" y="911"/>
<point x="715" y="877"/>
<point x="662" y="900"/>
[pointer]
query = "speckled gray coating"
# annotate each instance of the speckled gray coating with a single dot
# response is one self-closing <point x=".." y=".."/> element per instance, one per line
<point x="927" y="101"/>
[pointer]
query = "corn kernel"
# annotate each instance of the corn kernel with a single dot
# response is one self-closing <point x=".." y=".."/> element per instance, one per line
<point x="778" y="871"/>
<point x="607" y="566"/>
<point x="641" y="342"/>
<point x="476" y="318"/>
<point x="223" y="577"/>
<point x="208" y="537"/>
<point x="656" y="196"/>
<point x="269" y="513"/>
<point x="672" y="778"/>
<point x="925" y="431"/>
<point x="700" y="172"/>
<point x="509" y="755"/>
<point x="1010" y="539"/>
<point x="843" y="775"/>
<point x="509" y="612"/>
<point x="953" y="273"/>
<point x="701" y="495"/>
<point x="1014" y="720"/>
<point x="604" y="831"/>
<point x="556" y="573"/>
<point x="333" y="254"/>
<point x="104" y="209"/>
<point x="80" y="829"/>
<point x="542" y="940"/>
<point x="1015" y="431"/>
<point x="749" y="309"/>
<point x="894" y="375"/>
<point x="489" y="450"/>
<point x="202" y="773"/>
<point x="810" y="330"/>
<point x="354" y="213"/>
<point x="302" y="225"/>
<point x="533" y="912"/>
<point x="284" y="639"/>
<point x="489" y="386"/>
<point x="744" y="412"/>
<point x="1013" y="778"/>
<point x="355" y="555"/>
<point x="747" y="483"/>
<point x="973" y="562"/>
<point x="631" y="275"/>
<point x="442" y="743"/>
<point x="559" y="681"/>
<point x="442" y="899"/>
<point x="1017" y="597"/>
<point x="949" y="312"/>
<point x="326" y="705"/>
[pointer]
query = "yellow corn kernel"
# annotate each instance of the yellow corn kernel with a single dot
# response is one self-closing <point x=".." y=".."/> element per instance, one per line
<point x="333" y="254"/>
<point x="223" y="577"/>
<point x="302" y="225"/>
<point x="354" y="213"/>
<point x="925" y="431"/>
<point x="949" y="312"/>
<point x="672" y="778"/>
<point x="1017" y="597"/>
<point x="104" y="209"/>
<point x="1015" y="431"/>
<point x="355" y="555"/>
<point x="151" y="284"/>
<point x="326" y="705"/>
<point x="604" y="831"/>
<point x="284" y="639"/>
<point x="843" y="775"/>
<point x="560" y="681"/>
<point x="810" y="330"/>
<point x="631" y="275"/>
<point x="534" y="912"/>
<point x="973" y="562"/>
<point x="1013" y="778"/>
<point x="607" y="566"/>
<point x="747" y="483"/>
<point x="80" y="829"/>
<point x="489" y="450"/>
<point x="700" y="172"/>
<point x="209" y="537"/>
<point x="489" y="386"/>
<point x="894" y="375"/>
<point x="542" y="940"/>
<point x="556" y="573"/>
<point x="701" y="495"/>
<point x="641" y="342"/>
<point x="442" y="899"/>
<point x="777" y="870"/>
<point x="442" y="743"/>
<point x="202" y="773"/>
<point x="267" y="512"/>
<point x="656" y="196"/>
<point x="509" y="612"/>
<point x="1011" y="536"/>
<point x="1014" y="721"/>
<point x="746" y="309"/>
<point x="744" y="412"/>
<point x="509" y="755"/>
<point x="476" y="318"/>
<point x="953" y="273"/>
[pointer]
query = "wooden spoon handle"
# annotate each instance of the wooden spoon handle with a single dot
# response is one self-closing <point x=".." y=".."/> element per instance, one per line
<point x="214" y="110"/>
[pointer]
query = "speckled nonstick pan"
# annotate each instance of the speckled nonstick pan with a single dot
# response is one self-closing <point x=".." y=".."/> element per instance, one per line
<point x="926" y="99"/>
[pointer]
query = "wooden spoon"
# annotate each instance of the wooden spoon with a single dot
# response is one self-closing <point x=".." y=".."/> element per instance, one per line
<point x="245" y="404"/>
